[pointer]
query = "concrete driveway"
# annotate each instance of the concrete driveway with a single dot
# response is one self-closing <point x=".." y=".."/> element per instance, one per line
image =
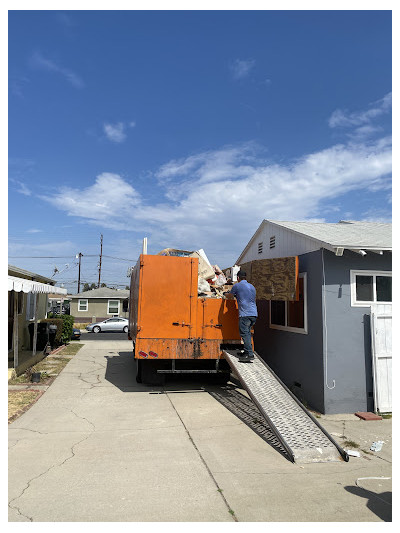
<point x="98" y="447"/>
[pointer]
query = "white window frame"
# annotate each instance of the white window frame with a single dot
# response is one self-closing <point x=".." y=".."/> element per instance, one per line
<point x="108" y="306"/>
<point x="80" y="303"/>
<point x="374" y="274"/>
<point x="303" y="331"/>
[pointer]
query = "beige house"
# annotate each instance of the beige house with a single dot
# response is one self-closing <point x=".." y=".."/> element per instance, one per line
<point x="99" y="304"/>
<point x="27" y="304"/>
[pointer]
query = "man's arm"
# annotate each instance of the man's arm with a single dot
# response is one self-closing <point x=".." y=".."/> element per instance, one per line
<point x="229" y="296"/>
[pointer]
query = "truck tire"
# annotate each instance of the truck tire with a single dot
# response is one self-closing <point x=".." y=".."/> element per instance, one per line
<point x="138" y="370"/>
<point x="149" y="373"/>
<point x="221" y="379"/>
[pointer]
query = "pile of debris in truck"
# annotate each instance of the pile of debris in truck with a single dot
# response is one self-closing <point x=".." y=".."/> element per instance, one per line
<point x="212" y="281"/>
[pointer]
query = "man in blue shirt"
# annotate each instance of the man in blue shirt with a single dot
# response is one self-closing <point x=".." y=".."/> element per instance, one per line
<point x="245" y="294"/>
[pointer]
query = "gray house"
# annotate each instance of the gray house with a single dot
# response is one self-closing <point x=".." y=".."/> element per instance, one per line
<point x="321" y="343"/>
<point x="99" y="304"/>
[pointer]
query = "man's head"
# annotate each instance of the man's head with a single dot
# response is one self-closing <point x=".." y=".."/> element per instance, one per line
<point x="241" y="275"/>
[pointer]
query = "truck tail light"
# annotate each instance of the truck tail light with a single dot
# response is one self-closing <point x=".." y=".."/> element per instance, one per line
<point x="153" y="354"/>
<point x="143" y="354"/>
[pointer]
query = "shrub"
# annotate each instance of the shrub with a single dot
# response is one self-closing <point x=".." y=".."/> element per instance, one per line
<point x="60" y="324"/>
<point x="68" y="324"/>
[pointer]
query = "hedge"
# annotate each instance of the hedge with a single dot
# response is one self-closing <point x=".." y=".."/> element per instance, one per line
<point x="64" y="325"/>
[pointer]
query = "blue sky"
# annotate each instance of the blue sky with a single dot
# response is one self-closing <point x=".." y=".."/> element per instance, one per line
<point x="189" y="128"/>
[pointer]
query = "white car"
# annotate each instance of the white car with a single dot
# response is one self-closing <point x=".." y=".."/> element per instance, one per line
<point x="110" y="324"/>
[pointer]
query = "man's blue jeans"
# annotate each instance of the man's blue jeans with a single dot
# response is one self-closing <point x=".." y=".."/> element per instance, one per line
<point x="245" y="325"/>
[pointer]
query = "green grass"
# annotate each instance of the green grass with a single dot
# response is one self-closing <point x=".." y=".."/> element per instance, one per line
<point x="49" y="366"/>
<point x="71" y="349"/>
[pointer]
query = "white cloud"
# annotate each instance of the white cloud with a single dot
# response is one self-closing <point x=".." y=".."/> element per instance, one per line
<point x="116" y="132"/>
<point x="342" y="118"/>
<point x="34" y="230"/>
<point x="241" y="68"/>
<point x="108" y="201"/>
<point x="215" y="200"/>
<point x="38" y="61"/>
<point x="23" y="189"/>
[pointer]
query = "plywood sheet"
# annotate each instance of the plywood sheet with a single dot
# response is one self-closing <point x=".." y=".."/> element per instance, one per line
<point x="274" y="279"/>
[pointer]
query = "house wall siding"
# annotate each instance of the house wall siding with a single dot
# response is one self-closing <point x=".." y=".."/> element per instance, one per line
<point x="294" y="357"/>
<point x="348" y="336"/>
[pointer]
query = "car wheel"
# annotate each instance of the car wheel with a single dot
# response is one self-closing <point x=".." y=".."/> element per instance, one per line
<point x="125" y="329"/>
<point x="96" y="329"/>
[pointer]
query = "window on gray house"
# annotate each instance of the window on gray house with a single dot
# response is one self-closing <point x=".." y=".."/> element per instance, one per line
<point x="260" y="247"/>
<point x="272" y="242"/>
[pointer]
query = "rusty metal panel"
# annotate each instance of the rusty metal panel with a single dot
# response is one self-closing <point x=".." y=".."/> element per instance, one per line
<point x="177" y="349"/>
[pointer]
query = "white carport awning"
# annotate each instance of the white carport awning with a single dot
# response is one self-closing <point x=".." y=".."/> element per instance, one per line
<point x="27" y="285"/>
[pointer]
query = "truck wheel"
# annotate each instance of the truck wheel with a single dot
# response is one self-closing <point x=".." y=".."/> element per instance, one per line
<point x="96" y="329"/>
<point x="149" y="373"/>
<point x="138" y="371"/>
<point x="221" y="379"/>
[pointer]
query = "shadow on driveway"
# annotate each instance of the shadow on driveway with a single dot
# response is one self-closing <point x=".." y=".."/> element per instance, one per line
<point x="380" y="504"/>
<point x="121" y="372"/>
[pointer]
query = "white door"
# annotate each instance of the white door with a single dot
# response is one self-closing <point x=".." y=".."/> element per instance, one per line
<point x="381" y="332"/>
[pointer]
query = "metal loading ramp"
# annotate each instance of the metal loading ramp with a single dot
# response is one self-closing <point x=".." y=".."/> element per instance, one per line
<point x="304" y="439"/>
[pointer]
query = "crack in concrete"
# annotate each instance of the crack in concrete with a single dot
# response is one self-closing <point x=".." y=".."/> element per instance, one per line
<point x="52" y="466"/>
<point x="43" y="474"/>
<point x="230" y="511"/>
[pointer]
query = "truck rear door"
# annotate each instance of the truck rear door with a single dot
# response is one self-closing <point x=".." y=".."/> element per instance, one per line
<point x="167" y="297"/>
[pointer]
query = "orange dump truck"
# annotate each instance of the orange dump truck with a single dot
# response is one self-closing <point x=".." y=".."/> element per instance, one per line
<point x="173" y="329"/>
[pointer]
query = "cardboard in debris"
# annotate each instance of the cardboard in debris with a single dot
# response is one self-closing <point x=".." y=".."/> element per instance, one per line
<point x="206" y="271"/>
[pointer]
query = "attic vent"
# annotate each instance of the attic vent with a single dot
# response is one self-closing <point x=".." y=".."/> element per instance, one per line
<point x="272" y="242"/>
<point x="260" y="247"/>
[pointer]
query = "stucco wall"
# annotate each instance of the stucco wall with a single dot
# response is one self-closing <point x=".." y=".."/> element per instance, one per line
<point x="348" y="338"/>
<point x="340" y="380"/>
<point x="295" y="357"/>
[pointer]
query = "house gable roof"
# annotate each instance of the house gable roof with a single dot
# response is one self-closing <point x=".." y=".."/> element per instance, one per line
<point x="103" y="292"/>
<point x="349" y="234"/>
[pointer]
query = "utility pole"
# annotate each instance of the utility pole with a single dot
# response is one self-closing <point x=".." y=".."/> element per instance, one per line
<point x="101" y="253"/>
<point x="79" y="273"/>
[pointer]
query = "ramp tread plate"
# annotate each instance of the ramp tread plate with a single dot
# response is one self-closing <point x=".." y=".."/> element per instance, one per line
<point x="299" y="431"/>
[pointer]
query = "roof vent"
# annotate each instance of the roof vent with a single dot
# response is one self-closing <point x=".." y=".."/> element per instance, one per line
<point x="272" y="242"/>
<point x="260" y="247"/>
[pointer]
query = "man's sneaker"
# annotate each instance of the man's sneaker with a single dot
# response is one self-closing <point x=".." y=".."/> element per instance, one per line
<point x="246" y="358"/>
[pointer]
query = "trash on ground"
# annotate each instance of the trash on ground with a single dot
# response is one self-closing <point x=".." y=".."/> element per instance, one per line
<point x="353" y="453"/>
<point x="377" y="446"/>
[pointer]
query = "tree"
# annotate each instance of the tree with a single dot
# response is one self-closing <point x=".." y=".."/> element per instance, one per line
<point x="87" y="287"/>
<point x="127" y="287"/>
<point x="103" y="285"/>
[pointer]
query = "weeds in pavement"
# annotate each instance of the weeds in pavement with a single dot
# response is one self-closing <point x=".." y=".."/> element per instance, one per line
<point x="351" y="444"/>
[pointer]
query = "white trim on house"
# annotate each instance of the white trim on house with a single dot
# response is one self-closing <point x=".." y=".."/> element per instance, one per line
<point x="374" y="274"/>
<point x="304" y="330"/>
<point x="108" y="306"/>
<point x="80" y="302"/>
